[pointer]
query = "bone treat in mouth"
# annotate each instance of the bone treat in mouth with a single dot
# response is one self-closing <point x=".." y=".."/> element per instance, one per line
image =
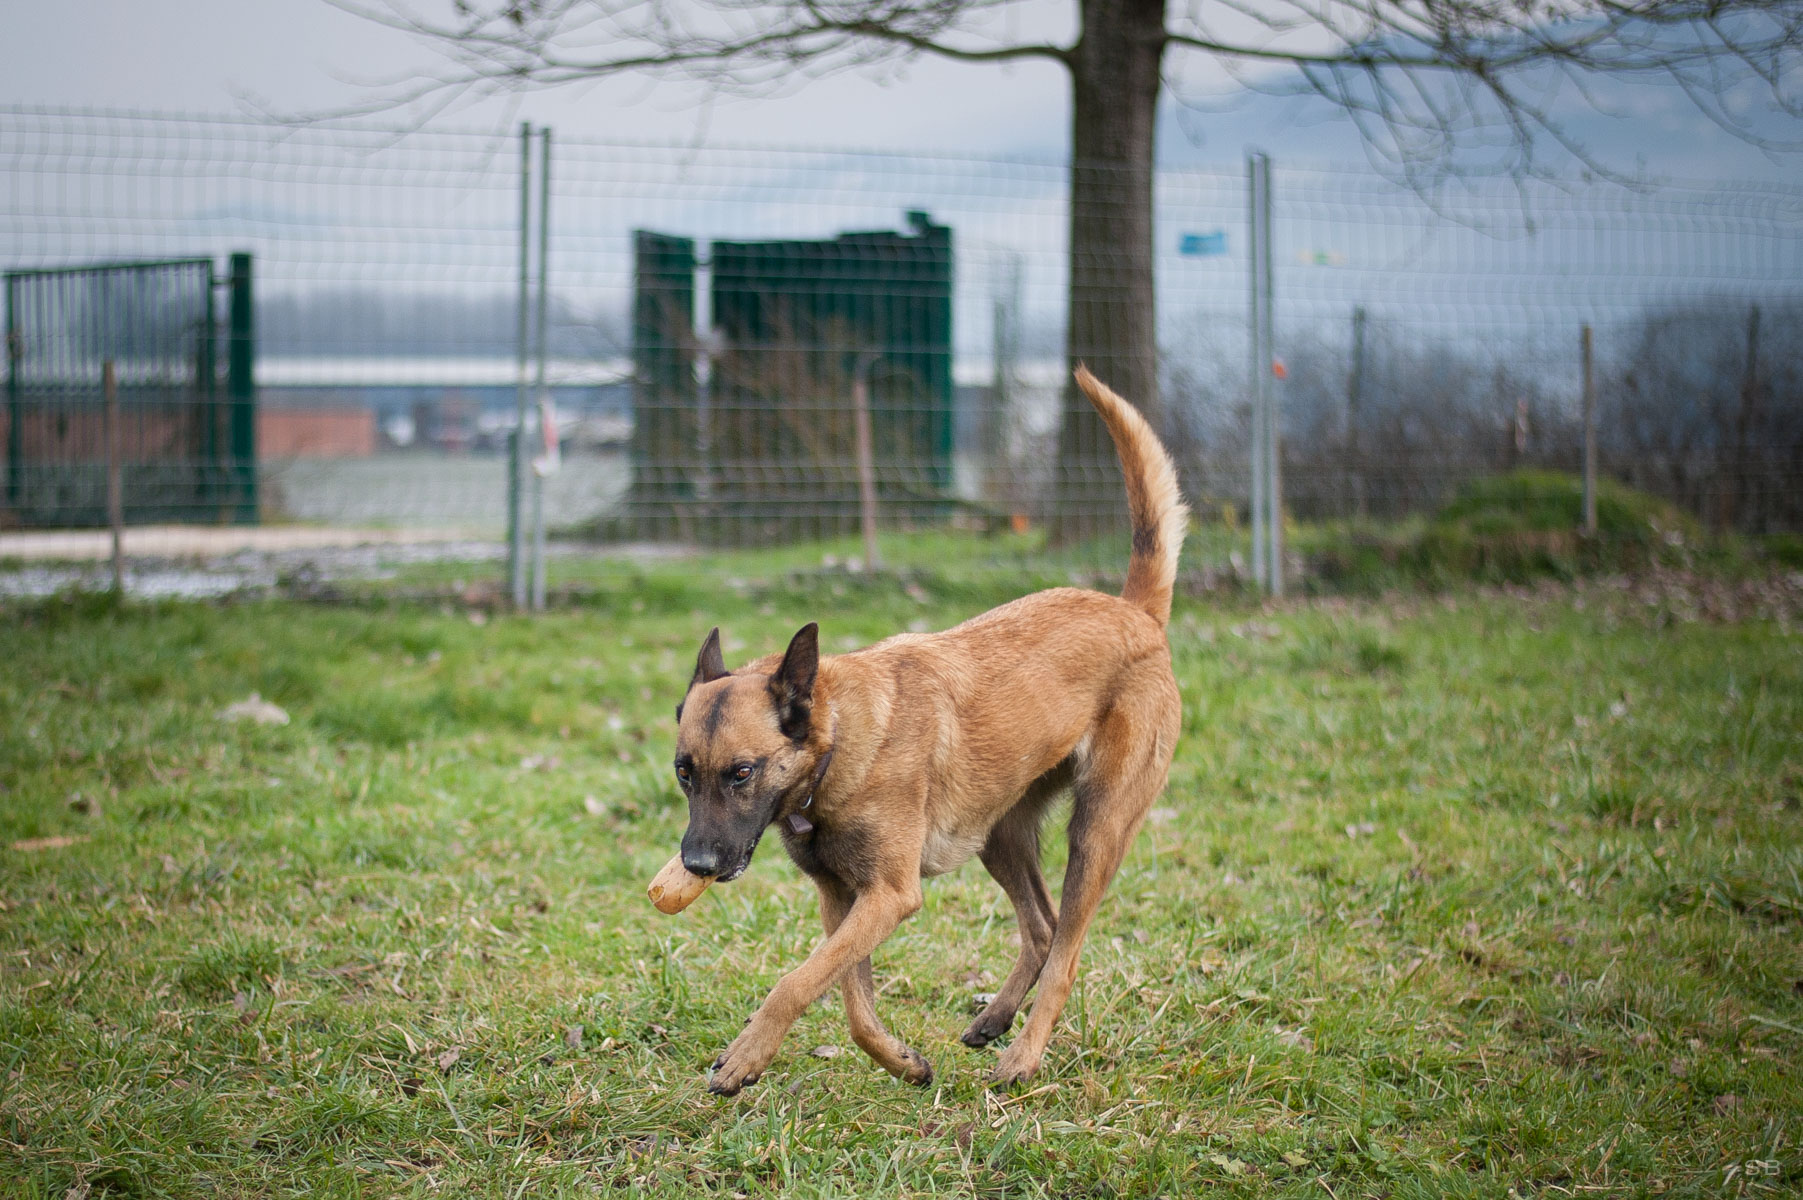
<point x="675" y="887"/>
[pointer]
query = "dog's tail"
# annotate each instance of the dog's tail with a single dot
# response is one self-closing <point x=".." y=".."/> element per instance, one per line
<point x="1154" y="504"/>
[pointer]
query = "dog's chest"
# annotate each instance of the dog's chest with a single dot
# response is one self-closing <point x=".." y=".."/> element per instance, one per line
<point x="948" y="849"/>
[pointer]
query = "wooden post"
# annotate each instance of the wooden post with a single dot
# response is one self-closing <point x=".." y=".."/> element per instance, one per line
<point x="115" y="490"/>
<point x="1355" y="388"/>
<point x="1589" y="438"/>
<point x="860" y="402"/>
<point x="1740" y="489"/>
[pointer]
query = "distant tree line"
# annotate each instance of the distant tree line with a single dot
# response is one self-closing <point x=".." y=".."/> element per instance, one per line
<point x="1700" y="403"/>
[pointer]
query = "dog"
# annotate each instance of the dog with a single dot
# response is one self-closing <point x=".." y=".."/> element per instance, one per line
<point x="890" y="764"/>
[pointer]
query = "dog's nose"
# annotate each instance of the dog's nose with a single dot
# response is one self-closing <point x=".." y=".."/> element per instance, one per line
<point x="700" y="861"/>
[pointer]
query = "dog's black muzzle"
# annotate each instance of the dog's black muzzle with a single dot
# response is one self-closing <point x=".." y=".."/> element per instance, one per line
<point x="721" y="837"/>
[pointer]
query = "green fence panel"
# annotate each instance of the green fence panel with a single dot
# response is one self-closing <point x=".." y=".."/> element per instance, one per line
<point x="183" y="455"/>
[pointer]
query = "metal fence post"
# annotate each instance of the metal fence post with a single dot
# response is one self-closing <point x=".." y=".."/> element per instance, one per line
<point x="1255" y="364"/>
<point x="241" y="391"/>
<point x="1273" y="395"/>
<point x="1267" y="485"/>
<point x="547" y="429"/>
<point x="516" y="475"/>
<point x="215" y="484"/>
<point x="15" y="408"/>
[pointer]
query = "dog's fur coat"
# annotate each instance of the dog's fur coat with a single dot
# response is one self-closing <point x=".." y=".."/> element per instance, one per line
<point x="902" y="760"/>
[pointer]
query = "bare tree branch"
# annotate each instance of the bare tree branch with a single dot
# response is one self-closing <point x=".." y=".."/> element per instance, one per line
<point x="1420" y="79"/>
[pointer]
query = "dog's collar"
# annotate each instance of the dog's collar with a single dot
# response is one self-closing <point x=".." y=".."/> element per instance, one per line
<point x="797" y="824"/>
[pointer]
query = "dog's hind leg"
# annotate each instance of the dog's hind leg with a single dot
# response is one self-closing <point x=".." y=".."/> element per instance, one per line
<point x="1012" y="856"/>
<point x="867" y="1030"/>
<point x="1129" y="758"/>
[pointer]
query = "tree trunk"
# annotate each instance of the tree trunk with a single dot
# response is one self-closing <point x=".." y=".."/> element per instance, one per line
<point x="1110" y="322"/>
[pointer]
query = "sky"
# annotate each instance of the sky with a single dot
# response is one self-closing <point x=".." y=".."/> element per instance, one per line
<point x="230" y="56"/>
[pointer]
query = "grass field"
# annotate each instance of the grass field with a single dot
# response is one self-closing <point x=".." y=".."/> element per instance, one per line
<point x="1475" y="894"/>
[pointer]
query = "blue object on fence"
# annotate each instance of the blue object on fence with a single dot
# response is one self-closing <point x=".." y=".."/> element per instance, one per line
<point x="1203" y="245"/>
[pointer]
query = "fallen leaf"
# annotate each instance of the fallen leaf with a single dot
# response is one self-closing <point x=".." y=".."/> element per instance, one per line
<point x="449" y="1058"/>
<point x="1232" y="1166"/>
<point x="593" y="806"/>
<point x="1263" y="630"/>
<point x="254" y="708"/>
<point x="572" y="1037"/>
<point x="826" y="1052"/>
<point x="1727" y="1103"/>
<point x="1295" y="1039"/>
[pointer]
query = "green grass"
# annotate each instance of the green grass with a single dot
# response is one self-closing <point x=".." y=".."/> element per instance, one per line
<point x="1448" y="896"/>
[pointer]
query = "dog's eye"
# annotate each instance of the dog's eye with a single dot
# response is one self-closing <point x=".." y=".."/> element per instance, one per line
<point x="682" y="773"/>
<point x="741" y="774"/>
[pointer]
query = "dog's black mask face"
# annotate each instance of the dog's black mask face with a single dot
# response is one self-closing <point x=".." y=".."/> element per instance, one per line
<point x="741" y="748"/>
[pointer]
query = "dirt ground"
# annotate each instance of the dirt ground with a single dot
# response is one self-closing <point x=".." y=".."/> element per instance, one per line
<point x="194" y="562"/>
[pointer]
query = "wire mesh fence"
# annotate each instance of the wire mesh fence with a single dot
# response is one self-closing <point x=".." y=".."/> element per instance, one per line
<point x="721" y="319"/>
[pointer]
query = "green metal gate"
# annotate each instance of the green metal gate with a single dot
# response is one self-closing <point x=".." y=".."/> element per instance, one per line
<point x="187" y="446"/>
<point x="765" y="451"/>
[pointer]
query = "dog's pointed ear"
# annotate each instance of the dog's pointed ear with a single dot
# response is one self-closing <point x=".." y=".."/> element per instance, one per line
<point x="709" y="665"/>
<point x="792" y="687"/>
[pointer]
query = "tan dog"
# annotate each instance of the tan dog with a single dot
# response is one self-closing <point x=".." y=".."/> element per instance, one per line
<point x="899" y="761"/>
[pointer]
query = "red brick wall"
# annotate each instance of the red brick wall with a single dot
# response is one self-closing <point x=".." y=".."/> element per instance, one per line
<point x="316" y="433"/>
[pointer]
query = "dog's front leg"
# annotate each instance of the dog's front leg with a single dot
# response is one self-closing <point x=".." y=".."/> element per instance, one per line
<point x="873" y="916"/>
<point x="890" y="1052"/>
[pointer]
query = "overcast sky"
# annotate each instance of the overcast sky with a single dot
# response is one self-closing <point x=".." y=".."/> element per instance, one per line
<point x="215" y="56"/>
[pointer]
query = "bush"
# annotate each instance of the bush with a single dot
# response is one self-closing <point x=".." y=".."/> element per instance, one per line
<point x="1553" y="502"/>
<point x="1514" y="528"/>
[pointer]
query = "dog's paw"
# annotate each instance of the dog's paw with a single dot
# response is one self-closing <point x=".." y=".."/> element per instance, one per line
<point x="728" y="1083"/>
<point x="742" y="1064"/>
<point x="916" y="1069"/>
<point x="1013" y="1068"/>
<point x="728" y="1076"/>
<point x="986" y="1028"/>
